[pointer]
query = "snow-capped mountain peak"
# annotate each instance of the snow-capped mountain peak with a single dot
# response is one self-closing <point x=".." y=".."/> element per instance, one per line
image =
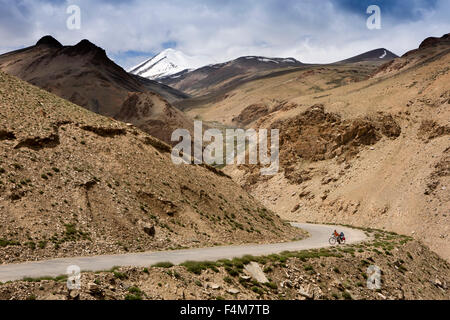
<point x="169" y="62"/>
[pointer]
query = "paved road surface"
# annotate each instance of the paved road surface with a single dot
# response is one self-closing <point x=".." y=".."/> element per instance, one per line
<point x="319" y="235"/>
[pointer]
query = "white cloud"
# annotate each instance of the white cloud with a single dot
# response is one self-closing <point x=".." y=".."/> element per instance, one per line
<point x="311" y="31"/>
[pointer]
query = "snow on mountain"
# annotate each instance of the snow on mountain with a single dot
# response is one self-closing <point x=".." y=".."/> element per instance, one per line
<point x="169" y="62"/>
<point x="273" y="60"/>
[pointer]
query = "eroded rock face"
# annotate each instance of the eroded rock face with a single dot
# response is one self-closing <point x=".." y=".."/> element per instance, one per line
<point x="388" y="126"/>
<point x="430" y="130"/>
<point x="7" y="135"/>
<point x="37" y="143"/>
<point x="105" y="132"/>
<point x="251" y="113"/>
<point x="441" y="171"/>
<point x="316" y="135"/>
<point x="150" y="230"/>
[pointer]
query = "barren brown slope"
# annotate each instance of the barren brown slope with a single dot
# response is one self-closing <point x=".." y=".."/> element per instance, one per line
<point x="371" y="153"/>
<point x="84" y="75"/>
<point x="153" y="115"/>
<point x="272" y="92"/>
<point x="214" y="90"/>
<point x="76" y="183"/>
<point x="227" y="75"/>
<point x="430" y="49"/>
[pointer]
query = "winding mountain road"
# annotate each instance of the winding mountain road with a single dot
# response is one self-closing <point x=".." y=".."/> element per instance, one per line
<point x="319" y="235"/>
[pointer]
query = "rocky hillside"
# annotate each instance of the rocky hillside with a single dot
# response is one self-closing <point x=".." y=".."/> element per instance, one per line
<point x="84" y="75"/>
<point x="370" y="153"/>
<point x="429" y="50"/>
<point x="409" y="271"/>
<point x="75" y="183"/>
<point x="272" y="92"/>
<point x="153" y="115"/>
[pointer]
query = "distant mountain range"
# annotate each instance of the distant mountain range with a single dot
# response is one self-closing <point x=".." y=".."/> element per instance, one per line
<point x="172" y="64"/>
<point x="198" y="75"/>
<point x="231" y="73"/>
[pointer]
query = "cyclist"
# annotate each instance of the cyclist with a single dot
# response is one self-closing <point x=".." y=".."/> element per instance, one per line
<point x="337" y="236"/>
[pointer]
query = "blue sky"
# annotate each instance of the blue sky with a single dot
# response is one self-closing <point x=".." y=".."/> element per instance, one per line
<point x="309" y="30"/>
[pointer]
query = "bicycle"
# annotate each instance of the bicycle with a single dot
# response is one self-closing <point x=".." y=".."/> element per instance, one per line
<point x="333" y="239"/>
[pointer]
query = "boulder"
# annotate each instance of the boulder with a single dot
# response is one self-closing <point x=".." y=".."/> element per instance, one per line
<point x="383" y="297"/>
<point x="213" y="286"/>
<point x="256" y="272"/>
<point x="438" y="283"/>
<point x="93" y="287"/>
<point x="233" y="291"/>
<point x="305" y="293"/>
<point x="74" y="294"/>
